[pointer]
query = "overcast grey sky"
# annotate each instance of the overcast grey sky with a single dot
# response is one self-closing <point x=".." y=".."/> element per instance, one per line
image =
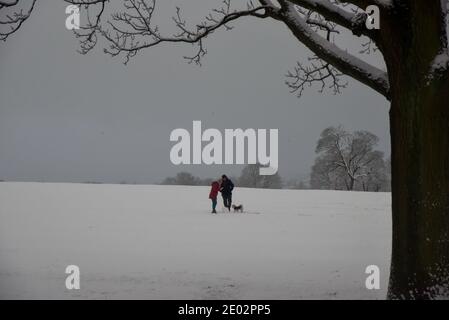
<point x="65" y="117"/>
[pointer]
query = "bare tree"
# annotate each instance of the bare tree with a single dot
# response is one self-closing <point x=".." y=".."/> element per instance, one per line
<point x="413" y="42"/>
<point x="348" y="161"/>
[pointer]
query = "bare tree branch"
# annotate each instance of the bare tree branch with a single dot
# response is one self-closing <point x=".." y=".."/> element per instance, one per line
<point x="319" y="72"/>
<point x="132" y="30"/>
<point x="87" y="35"/>
<point x="13" y="15"/>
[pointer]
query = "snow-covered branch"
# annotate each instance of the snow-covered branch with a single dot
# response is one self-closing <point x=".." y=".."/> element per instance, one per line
<point x="329" y="52"/>
<point x="354" y="22"/>
<point x="385" y="4"/>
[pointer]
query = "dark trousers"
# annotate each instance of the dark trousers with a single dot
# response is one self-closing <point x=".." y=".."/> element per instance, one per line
<point x="214" y="204"/>
<point x="227" y="200"/>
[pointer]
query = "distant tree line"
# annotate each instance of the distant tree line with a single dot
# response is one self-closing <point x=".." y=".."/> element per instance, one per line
<point x="345" y="161"/>
<point x="249" y="178"/>
<point x="186" y="179"/>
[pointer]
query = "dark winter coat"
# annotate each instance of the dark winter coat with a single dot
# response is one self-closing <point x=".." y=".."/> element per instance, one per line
<point x="215" y="187"/>
<point x="226" y="187"/>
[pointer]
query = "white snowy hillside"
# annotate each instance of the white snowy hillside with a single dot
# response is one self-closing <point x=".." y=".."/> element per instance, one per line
<point x="161" y="242"/>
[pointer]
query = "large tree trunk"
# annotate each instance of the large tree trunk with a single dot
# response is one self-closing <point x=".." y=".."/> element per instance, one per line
<point x="420" y="192"/>
<point x="419" y="120"/>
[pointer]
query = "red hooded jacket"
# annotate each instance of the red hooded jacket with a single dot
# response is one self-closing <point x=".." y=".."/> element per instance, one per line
<point x="215" y="187"/>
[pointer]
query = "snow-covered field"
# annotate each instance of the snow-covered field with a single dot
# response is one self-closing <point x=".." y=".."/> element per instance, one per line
<point x="161" y="242"/>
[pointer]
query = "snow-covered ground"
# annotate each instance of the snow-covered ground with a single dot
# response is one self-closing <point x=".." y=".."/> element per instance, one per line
<point x="161" y="242"/>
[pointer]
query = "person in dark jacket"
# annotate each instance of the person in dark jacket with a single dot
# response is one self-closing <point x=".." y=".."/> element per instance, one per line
<point x="226" y="191"/>
<point x="215" y="187"/>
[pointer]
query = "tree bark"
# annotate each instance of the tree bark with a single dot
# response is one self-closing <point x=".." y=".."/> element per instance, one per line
<point x="419" y="124"/>
<point x="420" y="193"/>
<point x="351" y="184"/>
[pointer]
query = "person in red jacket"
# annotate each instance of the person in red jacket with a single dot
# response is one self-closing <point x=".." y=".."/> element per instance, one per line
<point x="215" y="187"/>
